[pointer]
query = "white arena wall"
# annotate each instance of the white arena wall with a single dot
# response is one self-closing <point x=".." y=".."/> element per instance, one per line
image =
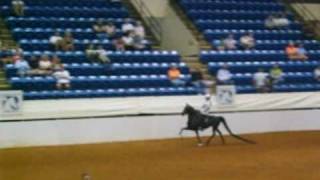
<point x="82" y="121"/>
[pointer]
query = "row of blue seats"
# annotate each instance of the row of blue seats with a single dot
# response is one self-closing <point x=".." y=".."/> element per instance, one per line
<point x="253" y="66"/>
<point x="95" y="3"/>
<point x="81" y="45"/>
<point x="237" y="15"/>
<point x="258" y="34"/>
<point x="253" y="55"/>
<point x="86" y="69"/>
<point x="115" y="56"/>
<point x="216" y="4"/>
<point x="94" y="82"/>
<point x="69" y="12"/>
<point x="41" y="33"/>
<point x="281" y="88"/>
<point x="288" y="78"/>
<point x="238" y="24"/>
<point x="235" y="1"/>
<point x="43" y="22"/>
<point x="278" y="44"/>
<point x="153" y="91"/>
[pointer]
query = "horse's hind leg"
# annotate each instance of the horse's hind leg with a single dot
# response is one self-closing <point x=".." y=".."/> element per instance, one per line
<point x="212" y="136"/>
<point x="221" y="136"/>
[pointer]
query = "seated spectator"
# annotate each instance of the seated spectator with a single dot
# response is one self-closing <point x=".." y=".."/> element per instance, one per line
<point x="56" y="41"/>
<point x="127" y="26"/>
<point x="261" y="81"/>
<point x="316" y="73"/>
<point x="281" y="21"/>
<point x="23" y="67"/>
<point x="34" y="65"/>
<point x="138" y="42"/>
<point x="276" y="74"/>
<point x="56" y="63"/>
<point x="174" y="75"/>
<point x="67" y="42"/>
<point x="119" y="44"/>
<point x="269" y="22"/>
<point x="230" y="43"/>
<point x="18" y="7"/>
<point x="16" y="57"/>
<point x="197" y="81"/>
<point x="247" y="41"/>
<point x="102" y="55"/>
<point x="219" y="45"/>
<point x="128" y="40"/>
<point x="295" y="53"/>
<point x="139" y="30"/>
<point x="63" y="78"/>
<point x="91" y="53"/>
<point x="110" y="29"/>
<point x="45" y="65"/>
<point x="224" y="76"/>
<point x="100" y="29"/>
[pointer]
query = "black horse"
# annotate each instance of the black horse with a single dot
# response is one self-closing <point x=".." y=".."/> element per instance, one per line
<point x="198" y="121"/>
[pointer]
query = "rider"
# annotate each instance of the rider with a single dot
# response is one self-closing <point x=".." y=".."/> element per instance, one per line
<point x="205" y="109"/>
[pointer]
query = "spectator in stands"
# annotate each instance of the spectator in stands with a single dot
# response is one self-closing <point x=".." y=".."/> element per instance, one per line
<point x="128" y="40"/>
<point x="261" y="81"/>
<point x="219" y="44"/>
<point x="247" y="41"/>
<point x="34" y="65"/>
<point x="269" y="22"/>
<point x="110" y="29"/>
<point x="18" y="7"/>
<point x="174" y="75"/>
<point x="102" y="55"/>
<point x="197" y="81"/>
<point x="138" y="42"/>
<point x="63" y="78"/>
<point x="56" y="40"/>
<point x="119" y="44"/>
<point x="296" y="53"/>
<point x="139" y="30"/>
<point x="281" y="21"/>
<point x="230" y="43"/>
<point x="100" y="29"/>
<point x="276" y="74"/>
<point x="23" y="67"/>
<point x="45" y="65"/>
<point x="224" y="76"/>
<point x="56" y="63"/>
<point x="91" y="53"/>
<point x="316" y="73"/>
<point x="68" y="41"/>
<point x="127" y="26"/>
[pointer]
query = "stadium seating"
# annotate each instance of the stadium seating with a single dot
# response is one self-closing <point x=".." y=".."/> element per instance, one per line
<point x="131" y="73"/>
<point x="218" y="18"/>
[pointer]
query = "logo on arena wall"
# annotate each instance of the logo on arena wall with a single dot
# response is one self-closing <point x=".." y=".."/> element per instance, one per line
<point x="225" y="95"/>
<point x="10" y="102"/>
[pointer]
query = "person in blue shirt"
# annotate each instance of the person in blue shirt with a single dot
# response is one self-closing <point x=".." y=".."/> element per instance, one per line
<point x="23" y="67"/>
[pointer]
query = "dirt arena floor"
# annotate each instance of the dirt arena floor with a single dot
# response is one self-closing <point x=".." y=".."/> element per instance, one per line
<point x="285" y="156"/>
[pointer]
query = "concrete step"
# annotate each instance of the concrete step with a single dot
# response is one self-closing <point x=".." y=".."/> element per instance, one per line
<point x="5" y="87"/>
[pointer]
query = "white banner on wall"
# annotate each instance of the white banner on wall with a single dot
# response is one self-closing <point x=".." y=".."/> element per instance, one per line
<point x="11" y="102"/>
<point x="225" y="95"/>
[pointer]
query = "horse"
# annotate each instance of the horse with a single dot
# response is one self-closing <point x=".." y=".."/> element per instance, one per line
<point x="198" y="121"/>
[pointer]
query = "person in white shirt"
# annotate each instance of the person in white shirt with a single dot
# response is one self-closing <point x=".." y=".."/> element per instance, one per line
<point x="56" y="40"/>
<point x="224" y="76"/>
<point x="127" y="26"/>
<point x="247" y="41"/>
<point x="139" y="30"/>
<point x="63" y="78"/>
<point x="281" y="21"/>
<point x="261" y="81"/>
<point x="230" y="43"/>
<point x="128" y="41"/>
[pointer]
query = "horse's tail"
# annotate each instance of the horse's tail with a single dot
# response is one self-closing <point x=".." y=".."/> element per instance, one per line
<point x="223" y="121"/>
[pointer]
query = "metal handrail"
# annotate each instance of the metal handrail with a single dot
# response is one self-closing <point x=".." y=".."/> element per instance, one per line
<point x="149" y="18"/>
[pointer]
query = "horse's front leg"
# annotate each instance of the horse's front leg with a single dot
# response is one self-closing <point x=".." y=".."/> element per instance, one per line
<point x="198" y="138"/>
<point x="182" y="129"/>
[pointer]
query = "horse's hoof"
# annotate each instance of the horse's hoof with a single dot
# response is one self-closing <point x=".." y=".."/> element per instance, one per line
<point x="200" y="144"/>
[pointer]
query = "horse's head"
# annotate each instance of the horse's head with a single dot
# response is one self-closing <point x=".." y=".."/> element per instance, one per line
<point x="187" y="109"/>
